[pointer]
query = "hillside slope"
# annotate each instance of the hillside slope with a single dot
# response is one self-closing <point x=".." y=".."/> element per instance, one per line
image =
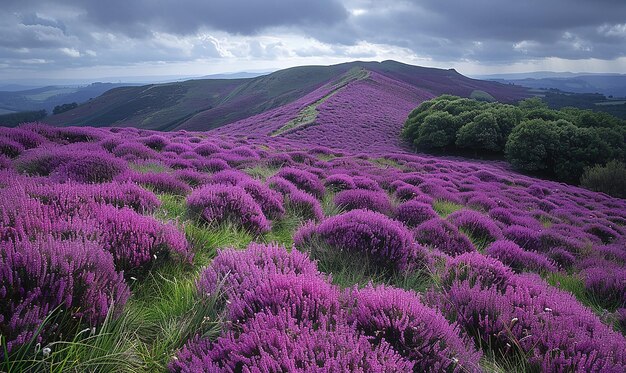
<point x="208" y="104"/>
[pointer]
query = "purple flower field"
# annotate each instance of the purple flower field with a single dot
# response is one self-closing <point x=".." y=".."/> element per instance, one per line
<point x="210" y="251"/>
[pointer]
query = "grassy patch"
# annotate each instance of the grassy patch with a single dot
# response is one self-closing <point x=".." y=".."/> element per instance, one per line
<point x="283" y="230"/>
<point x="172" y="207"/>
<point x="386" y="163"/>
<point x="444" y="207"/>
<point x="574" y="284"/>
<point x="261" y="171"/>
<point x="145" y="168"/>
<point x="328" y="205"/>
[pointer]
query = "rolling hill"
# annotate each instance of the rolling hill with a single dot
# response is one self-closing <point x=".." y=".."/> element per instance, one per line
<point x="211" y="103"/>
<point x="15" y="98"/>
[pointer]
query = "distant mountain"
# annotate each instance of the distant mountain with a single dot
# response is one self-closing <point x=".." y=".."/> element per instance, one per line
<point x="241" y="75"/>
<point x="204" y="104"/>
<point x="606" y="84"/>
<point x="48" y="97"/>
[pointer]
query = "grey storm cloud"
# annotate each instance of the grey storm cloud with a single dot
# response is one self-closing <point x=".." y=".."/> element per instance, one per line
<point x="121" y="32"/>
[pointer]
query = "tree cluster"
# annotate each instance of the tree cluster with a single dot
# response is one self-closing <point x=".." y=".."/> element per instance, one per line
<point x="556" y="143"/>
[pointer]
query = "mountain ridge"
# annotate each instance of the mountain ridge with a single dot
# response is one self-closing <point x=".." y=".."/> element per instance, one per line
<point x="204" y="104"/>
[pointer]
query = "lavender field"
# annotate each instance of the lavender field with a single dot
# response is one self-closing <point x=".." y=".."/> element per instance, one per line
<point x="132" y="250"/>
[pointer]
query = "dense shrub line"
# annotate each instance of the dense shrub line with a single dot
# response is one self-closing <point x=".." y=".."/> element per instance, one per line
<point x="558" y="143"/>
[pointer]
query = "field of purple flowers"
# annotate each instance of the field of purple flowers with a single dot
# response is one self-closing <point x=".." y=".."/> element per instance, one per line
<point x="131" y="250"/>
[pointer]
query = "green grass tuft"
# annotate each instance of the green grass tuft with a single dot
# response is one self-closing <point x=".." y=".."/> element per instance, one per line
<point x="444" y="207"/>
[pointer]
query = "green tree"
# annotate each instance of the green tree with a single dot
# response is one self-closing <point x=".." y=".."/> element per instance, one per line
<point x="531" y="145"/>
<point x="437" y="131"/>
<point x="481" y="134"/>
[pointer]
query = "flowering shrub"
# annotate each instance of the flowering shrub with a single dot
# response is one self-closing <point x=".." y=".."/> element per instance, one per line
<point x="356" y="199"/>
<point x="416" y="331"/>
<point x="71" y="197"/>
<point x="443" y="236"/>
<point x="413" y="213"/>
<point x="10" y="148"/>
<point x="205" y="149"/>
<point x="236" y="269"/>
<point x="607" y="285"/>
<point x="91" y="168"/>
<point x="475" y="224"/>
<point x="218" y="203"/>
<point x="43" y="276"/>
<point x="282" y="342"/>
<point x="304" y="205"/>
<point x="304" y="180"/>
<point x="385" y="242"/>
<point x="518" y="259"/>
<point x="136" y="240"/>
<point x="162" y="183"/>
<point x="527" y="238"/>
<point x="339" y="182"/>
<point x="515" y="314"/>
<point x="155" y="142"/>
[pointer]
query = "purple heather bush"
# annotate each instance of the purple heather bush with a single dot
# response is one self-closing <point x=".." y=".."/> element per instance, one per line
<point x="417" y="332"/>
<point x="219" y="203"/>
<point x="339" y="182"/>
<point x="356" y="199"/>
<point x="270" y="201"/>
<point x="304" y="205"/>
<point x="70" y="197"/>
<point x="607" y="285"/>
<point x="477" y="270"/>
<point x="562" y="257"/>
<point x="177" y="148"/>
<point x="307" y="297"/>
<point x="191" y="177"/>
<point x="28" y="139"/>
<point x="521" y="314"/>
<point x="234" y="270"/>
<point x="518" y="259"/>
<point x="74" y="277"/>
<point x="384" y="242"/>
<point x="231" y="177"/>
<point x="211" y="165"/>
<point x="527" y="238"/>
<point x="303" y="180"/>
<point x="162" y="183"/>
<point x="413" y="213"/>
<point x="364" y="182"/>
<point x="206" y="149"/>
<point x="10" y="148"/>
<point x="441" y="235"/>
<point x="155" y="142"/>
<point x="90" y="168"/>
<point x="283" y="343"/>
<point x="475" y="224"/>
<point x="136" y="240"/>
<point x="134" y="150"/>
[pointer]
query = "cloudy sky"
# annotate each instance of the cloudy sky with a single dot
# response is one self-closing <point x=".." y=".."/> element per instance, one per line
<point x="95" y="38"/>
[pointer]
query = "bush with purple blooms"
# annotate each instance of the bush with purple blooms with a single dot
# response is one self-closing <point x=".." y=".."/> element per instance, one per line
<point x="413" y="213"/>
<point x="384" y="242"/>
<point x="162" y="183"/>
<point x="283" y="343"/>
<point x="518" y="259"/>
<point x="136" y="240"/>
<point x="219" y="203"/>
<point x="441" y="235"/>
<point x="357" y="199"/>
<point x="303" y="180"/>
<point x="416" y="331"/>
<point x="74" y="279"/>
